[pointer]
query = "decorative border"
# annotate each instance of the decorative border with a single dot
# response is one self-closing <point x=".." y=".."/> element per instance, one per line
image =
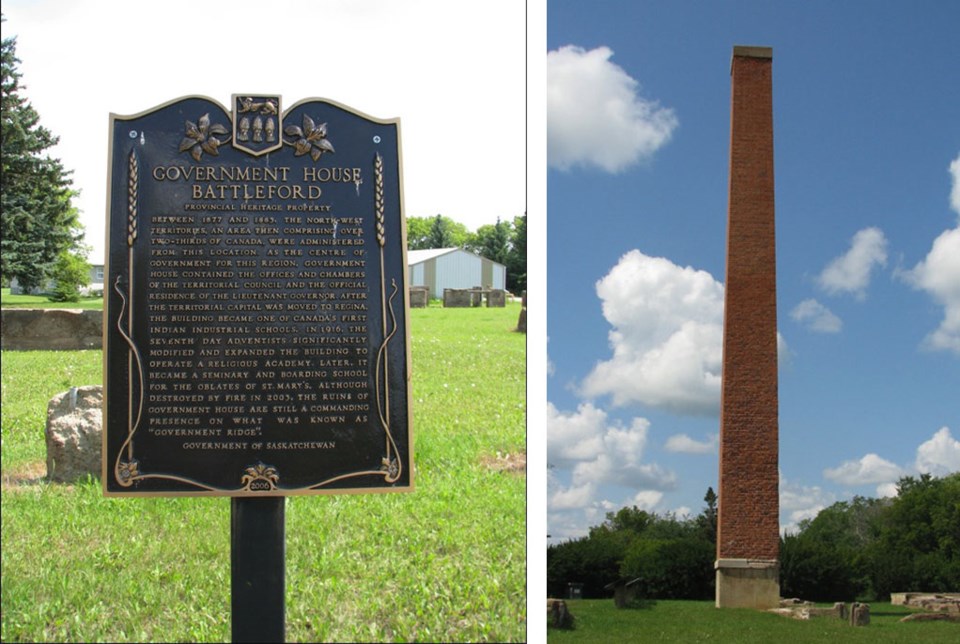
<point x="260" y="477"/>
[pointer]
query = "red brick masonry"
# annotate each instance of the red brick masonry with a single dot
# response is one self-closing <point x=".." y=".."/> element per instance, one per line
<point x="749" y="502"/>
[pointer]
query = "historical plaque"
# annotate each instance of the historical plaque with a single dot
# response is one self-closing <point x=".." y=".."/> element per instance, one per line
<point x="256" y="329"/>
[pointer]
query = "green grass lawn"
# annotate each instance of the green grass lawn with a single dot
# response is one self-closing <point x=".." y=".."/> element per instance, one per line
<point x="443" y="563"/>
<point x="597" y="620"/>
<point x="9" y="301"/>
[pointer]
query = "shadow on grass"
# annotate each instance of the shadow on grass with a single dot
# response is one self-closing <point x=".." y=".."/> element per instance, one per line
<point x="888" y="611"/>
<point x="640" y="604"/>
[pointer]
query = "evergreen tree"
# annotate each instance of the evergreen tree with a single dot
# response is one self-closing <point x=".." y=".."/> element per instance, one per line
<point x="707" y="521"/>
<point x="506" y="243"/>
<point x="440" y="236"/>
<point x="38" y="219"/>
<point x="516" y="260"/>
<point x="447" y="233"/>
<point x="494" y="241"/>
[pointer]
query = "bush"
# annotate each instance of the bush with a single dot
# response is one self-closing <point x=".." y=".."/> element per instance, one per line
<point x="672" y="568"/>
<point x="70" y="272"/>
<point x="816" y="570"/>
<point x="592" y="561"/>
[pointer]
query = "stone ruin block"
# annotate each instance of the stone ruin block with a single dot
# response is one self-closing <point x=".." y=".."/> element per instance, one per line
<point x="476" y="296"/>
<point x="496" y="297"/>
<point x="74" y="433"/>
<point x="625" y="591"/>
<point x="419" y="297"/>
<point x="942" y="602"/>
<point x="805" y="610"/>
<point x="840" y="609"/>
<point x="51" y="329"/>
<point x="558" y="614"/>
<point x="457" y="298"/>
<point x="860" y="614"/>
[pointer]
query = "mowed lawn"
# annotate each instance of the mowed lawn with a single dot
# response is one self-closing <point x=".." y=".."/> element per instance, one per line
<point x="598" y="621"/>
<point x="9" y="301"/>
<point x="443" y="563"/>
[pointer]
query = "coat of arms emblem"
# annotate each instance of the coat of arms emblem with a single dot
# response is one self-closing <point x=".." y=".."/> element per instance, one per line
<point x="257" y="123"/>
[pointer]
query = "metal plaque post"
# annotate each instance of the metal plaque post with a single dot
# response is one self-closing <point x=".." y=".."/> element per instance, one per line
<point x="257" y="569"/>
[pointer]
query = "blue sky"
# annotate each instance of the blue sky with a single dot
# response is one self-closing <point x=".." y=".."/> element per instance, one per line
<point x="867" y="172"/>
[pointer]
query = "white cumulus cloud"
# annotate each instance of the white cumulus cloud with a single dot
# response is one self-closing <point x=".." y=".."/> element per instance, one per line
<point x="595" y="115"/>
<point x="939" y="275"/>
<point x="850" y="272"/>
<point x="593" y="458"/>
<point x="574" y="437"/>
<point x="646" y="500"/>
<point x="683" y="444"/>
<point x="869" y="469"/>
<point x="887" y="490"/>
<point x="573" y="498"/>
<point x="816" y="317"/>
<point x="599" y="451"/>
<point x="940" y="455"/>
<point x="667" y="336"/>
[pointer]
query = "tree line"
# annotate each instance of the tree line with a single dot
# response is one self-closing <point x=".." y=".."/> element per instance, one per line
<point x="862" y="549"/>
<point x="672" y="556"/>
<point x="503" y="242"/>
<point x="868" y="548"/>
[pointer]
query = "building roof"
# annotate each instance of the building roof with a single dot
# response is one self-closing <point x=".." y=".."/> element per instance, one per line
<point x="420" y="256"/>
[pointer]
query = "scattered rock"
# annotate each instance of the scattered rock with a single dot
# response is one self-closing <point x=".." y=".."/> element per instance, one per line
<point x="936" y="602"/>
<point x="74" y="434"/>
<point x="793" y="601"/>
<point x="931" y="617"/>
<point x="800" y="609"/>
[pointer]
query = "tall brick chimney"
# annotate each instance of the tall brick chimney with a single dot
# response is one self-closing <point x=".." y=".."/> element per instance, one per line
<point x="748" y="524"/>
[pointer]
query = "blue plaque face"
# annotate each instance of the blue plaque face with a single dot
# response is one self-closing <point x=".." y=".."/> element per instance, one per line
<point x="256" y="335"/>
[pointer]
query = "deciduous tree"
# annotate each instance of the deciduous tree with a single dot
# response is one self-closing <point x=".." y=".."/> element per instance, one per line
<point x="418" y="232"/>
